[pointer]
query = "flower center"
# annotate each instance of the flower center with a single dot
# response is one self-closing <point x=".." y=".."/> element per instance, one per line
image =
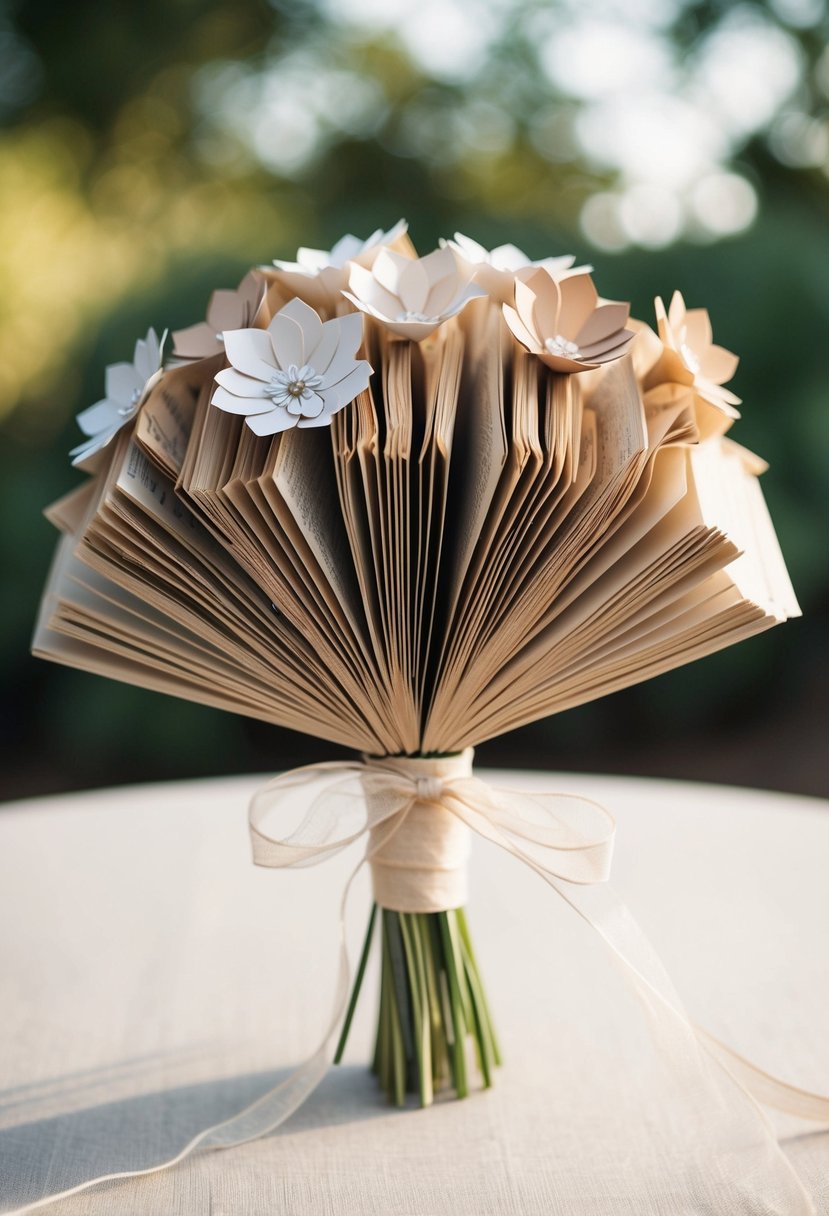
<point x="126" y="411"/>
<point x="294" y="384"/>
<point x="563" y="347"/>
<point x="414" y="316"/>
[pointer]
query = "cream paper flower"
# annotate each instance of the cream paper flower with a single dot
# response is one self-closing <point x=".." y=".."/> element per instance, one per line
<point x="412" y="296"/>
<point x="497" y="269"/>
<point x="298" y="372"/>
<point x="126" y="386"/>
<point x="684" y="354"/>
<point x="566" y="324"/>
<point x="318" y="276"/>
<point x="226" y="310"/>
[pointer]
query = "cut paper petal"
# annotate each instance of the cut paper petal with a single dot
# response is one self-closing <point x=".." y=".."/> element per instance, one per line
<point x="232" y="404"/>
<point x="121" y="380"/>
<point x="96" y="418"/>
<point x="287" y="340"/>
<point x="241" y="385"/>
<point x="250" y="351"/>
<point x="308" y="321"/>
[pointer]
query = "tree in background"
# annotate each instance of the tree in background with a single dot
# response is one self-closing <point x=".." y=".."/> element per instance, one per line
<point x="152" y="152"/>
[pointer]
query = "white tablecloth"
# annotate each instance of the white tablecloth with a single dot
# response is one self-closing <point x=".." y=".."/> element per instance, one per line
<point x="152" y="980"/>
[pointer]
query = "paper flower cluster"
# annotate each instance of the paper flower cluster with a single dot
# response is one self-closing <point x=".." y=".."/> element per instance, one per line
<point x="291" y="334"/>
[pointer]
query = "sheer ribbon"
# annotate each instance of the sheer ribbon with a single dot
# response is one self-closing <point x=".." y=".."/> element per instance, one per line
<point x="416" y="815"/>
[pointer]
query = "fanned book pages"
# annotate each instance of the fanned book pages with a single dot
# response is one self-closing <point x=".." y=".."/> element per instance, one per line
<point x="476" y="541"/>
<point x="406" y="504"/>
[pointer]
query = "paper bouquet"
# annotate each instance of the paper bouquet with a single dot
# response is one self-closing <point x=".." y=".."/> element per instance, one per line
<point x="406" y="504"/>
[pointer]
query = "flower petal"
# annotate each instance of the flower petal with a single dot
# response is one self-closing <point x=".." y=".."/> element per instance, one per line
<point x="519" y="329"/>
<point x="308" y="321"/>
<point x="122" y="381"/>
<point x="197" y="341"/>
<point x="147" y="356"/>
<point x="250" y="351"/>
<point x="718" y="364"/>
<point x="698" y="333"/>
<point x="364" y="288"/>
<point x="469" y="249"/>
<point x="578" y="301"/>
<point x="608" y="319"/>
<point x="242" y="386"/>
<point x="238" y="405"/>
<point x="311" y="405"/>
<point x="387" y="269"/>
<point x="676" y="312"/>
<point x="287" y="340"/>
<point x="415" y="284"/>
<point x="99" y="417"/>
<point x="342" y="364"/>
<point x="271" y="423"/>
<point x="349" y="386"/>
<point x="226" y="310"/>
<point x="94" y="444"/>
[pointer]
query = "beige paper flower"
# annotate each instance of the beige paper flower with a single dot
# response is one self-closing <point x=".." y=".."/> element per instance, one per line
<point x="412" y="296"/>
<point x="684" y="354"/>
<point x="497" y="269"/>
<point x="318" y="276"/>
<point x="566" y="324"/>
<point x="298" y="372"/>
<point x="226" y="310"/>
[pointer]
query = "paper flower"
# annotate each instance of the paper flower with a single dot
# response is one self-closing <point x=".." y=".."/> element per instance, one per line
<point x="566" y="324"/>
<point x="497" y="269"/>
<point x="412" y="296"/>
<point x="684" y="354"/>
<point x="127" y="384"/>
<point x="298" y="372"/>
<point x="318" y="276"/>
<point x="226" y="310"/>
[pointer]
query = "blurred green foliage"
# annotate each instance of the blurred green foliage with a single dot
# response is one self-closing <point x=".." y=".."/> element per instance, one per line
<point x="151" y="152"/>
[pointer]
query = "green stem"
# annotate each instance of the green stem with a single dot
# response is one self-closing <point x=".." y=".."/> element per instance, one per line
<point x="432" y="1001"/>
<point x="358" y="983"/>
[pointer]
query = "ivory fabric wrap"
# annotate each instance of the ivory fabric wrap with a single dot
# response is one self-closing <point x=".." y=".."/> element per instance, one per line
<point x="418" y="861"/>
<point x="568" y="841"/>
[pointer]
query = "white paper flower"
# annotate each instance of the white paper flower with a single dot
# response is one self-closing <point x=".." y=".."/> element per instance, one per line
<point x="318" y="276"/>
<point x="412" y="296"/>
<point x="497" y="269"/>
<point x="226" y="310"/>
<point x="298" y="372"/>
<point x="127" y="384"/>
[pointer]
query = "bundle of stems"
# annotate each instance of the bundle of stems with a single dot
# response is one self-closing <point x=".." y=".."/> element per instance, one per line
<point x="432" y="1006"/>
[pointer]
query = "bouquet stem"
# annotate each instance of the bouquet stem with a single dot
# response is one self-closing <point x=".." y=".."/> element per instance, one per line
<point x="432" y="1005"/>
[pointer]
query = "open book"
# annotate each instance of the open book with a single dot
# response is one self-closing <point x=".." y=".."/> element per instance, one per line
<point x="476" y="541"/>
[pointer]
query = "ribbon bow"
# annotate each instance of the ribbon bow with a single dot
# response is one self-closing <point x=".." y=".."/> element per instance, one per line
<point x="417" y="814"/>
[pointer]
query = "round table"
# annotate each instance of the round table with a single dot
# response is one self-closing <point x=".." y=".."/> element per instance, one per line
<point x="152" y="981"/>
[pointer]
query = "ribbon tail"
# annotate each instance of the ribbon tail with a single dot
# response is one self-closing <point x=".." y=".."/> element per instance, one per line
<point x="763" y="1086"/>
<point x="263" y="1115"/>
<point x="684" y="1044"/>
